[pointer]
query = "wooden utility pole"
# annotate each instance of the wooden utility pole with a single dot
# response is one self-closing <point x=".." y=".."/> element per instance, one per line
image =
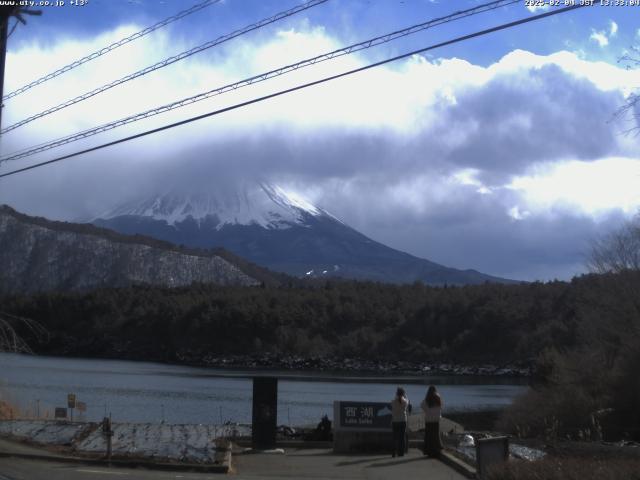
<point x="6" y="12"/>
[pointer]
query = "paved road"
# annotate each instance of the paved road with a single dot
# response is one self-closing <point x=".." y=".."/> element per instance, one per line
<point x="19" y="469"/>
<point x="296" y="464"/>
<point x="323" y="464"/>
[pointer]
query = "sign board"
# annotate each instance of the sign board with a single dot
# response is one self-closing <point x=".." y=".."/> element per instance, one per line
<point x="71" y="400"/>
<point x="81" y="406"/>
<point x="60" y="412"/>
<point x="363" y="416"/>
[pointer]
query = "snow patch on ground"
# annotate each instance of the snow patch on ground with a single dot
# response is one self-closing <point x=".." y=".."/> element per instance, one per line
<point x="43" y="432"/>
<point x="184" y="443"/>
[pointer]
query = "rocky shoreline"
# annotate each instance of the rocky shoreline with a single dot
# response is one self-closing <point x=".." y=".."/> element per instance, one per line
<point x="352" y="365"/>
<point x="115" y="349"/>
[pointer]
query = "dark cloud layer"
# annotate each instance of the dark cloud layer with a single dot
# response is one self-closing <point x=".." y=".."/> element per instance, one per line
<point x="541" y="116"/>
<point x="395" y="186"/>
<point x="473" y="230"/>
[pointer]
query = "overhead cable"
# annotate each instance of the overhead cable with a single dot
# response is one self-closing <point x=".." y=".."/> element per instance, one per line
<point x="259" y="78"/>
<point x="98" y="53"/>
<point x="463" y="38"/>
<point x="166" y="62"/>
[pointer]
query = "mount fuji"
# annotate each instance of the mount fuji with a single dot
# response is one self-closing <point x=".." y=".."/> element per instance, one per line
<point x="279" y="230"/>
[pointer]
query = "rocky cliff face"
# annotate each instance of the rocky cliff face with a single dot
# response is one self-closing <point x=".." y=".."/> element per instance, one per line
<point x="38" y="255"/>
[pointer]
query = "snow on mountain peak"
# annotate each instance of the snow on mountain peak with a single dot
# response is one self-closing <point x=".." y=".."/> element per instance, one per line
<point x="289" y="199"/>
<point x="263" y="204"/>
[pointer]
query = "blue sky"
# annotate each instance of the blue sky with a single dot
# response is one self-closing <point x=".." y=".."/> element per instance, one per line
<point x="349" y="21"/>
<point x="500" y="153"/>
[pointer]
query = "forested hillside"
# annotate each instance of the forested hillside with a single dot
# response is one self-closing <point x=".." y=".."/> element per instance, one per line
<point x="416" y="323"/>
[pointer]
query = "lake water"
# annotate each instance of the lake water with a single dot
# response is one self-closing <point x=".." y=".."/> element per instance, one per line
<point x="152" y="392"/>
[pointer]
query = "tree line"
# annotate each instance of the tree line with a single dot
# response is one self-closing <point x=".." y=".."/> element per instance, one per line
<point x="417" y="323"/>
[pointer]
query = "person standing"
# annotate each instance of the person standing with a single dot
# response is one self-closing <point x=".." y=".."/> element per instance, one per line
<point x="399" y="406"/>
<point x="432" y="407"/>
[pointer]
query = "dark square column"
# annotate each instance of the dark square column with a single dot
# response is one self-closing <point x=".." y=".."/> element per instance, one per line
<point x="265" y="412"/>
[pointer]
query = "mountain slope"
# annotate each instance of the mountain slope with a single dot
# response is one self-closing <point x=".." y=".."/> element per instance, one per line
<point x="39" y="255"/>
<point x="280" y="231"/>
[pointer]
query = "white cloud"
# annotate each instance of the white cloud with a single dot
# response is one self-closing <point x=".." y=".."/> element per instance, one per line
<point x="600" y="37"/>
<point x="593" y="188"/>
<point x="516" y="214"/>
<point x="403" y="97"/>
<point x="535" y="8"/>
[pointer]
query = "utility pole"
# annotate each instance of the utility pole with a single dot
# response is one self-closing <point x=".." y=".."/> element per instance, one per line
<point x="7" y="12"/>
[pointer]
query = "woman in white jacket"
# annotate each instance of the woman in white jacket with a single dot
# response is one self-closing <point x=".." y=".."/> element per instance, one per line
<point x="399" y="406"/>
<point x="432" y="407"/>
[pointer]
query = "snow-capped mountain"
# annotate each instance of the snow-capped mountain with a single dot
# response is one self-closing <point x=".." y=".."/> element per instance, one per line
<point x="279" y="230"/>
<point x="266" y="205"/>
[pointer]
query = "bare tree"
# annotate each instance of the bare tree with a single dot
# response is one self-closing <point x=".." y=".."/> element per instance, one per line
<point x="618" y="251"/>
<point x="630" y="111"/>
<point x="11" y="340"/>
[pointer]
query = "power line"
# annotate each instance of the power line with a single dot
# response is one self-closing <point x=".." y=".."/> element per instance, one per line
<point x="503" y="26"/>
<point x="259" y="78"/>
<point x="166" y="62"/>
<point x="13" y="28"/>
<point x="113" y="46"/>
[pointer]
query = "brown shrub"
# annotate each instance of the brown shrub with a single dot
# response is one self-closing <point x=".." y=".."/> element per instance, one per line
<point x="7" y="411"/>
<point x="551" y="412"/>
<point x="582" y="397"/>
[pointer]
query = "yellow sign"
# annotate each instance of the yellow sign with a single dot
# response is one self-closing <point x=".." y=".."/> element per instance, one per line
<point x="71" y="400"/>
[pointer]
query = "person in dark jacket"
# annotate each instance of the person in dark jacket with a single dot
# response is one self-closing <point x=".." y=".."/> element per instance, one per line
<point x="432" y="408"/>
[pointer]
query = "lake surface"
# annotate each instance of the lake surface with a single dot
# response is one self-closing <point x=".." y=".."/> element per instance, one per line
<point x="153" y="392"/>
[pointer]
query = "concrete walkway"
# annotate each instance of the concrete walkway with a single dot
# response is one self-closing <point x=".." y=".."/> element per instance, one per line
<point x="25" y="461"/>
<point x="18" y="448"/>
<point x="319" y="464"/>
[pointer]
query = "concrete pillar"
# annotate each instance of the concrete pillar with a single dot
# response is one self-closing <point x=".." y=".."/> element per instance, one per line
<point x="265" y="413"/>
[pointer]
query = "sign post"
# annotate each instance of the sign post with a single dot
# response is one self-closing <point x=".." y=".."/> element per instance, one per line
<point x="107" y="430"/>
<point x="71" y="403"/>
